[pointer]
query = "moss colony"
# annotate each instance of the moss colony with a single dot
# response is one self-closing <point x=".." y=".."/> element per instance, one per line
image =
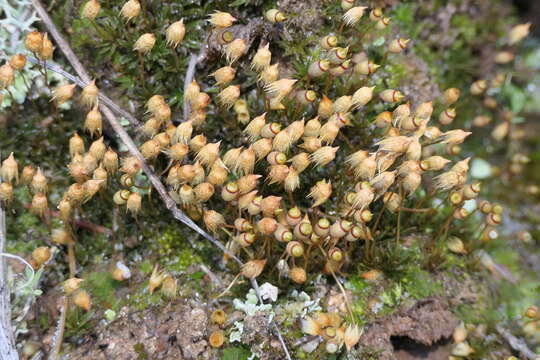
<point x="332" y="152"/>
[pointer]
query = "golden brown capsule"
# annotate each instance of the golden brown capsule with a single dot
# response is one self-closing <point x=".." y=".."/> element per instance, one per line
<point x="295" y="249"/>
<point x="391" y="95"/>
<point x="133" y="203"/>
<point x="41" y="255"/>
<point x="61" y="236"/>
<point x="451" y="95"/>
<point x="93" y="122"/>
<point x="518" y="33"/>
<point x="221" y="19"/>
<point x="39" y="204"/>
<point x="275" y="16"/>
<point x="130" y="10"/>
<point x="90" y="9"/>
<point x="478" y="87"/>
<point x="17" y="61"/>
<point x="34" y="42"/>
<point x="235" y="49"/>
<point x="145" y="43"/>
<point x="329" y="41"/>
<point x="253" y="268"/>
<point x="63" y="93"/>
<point x="398" y="45"/>
<point x="6" y="192"/>
<point x="82" y="299"/>
<point x="224" y="75"/>
<point x="298" y="275"/>
<point x="47" y="48"/>
<point x="353" y="15"/>
<point x="175" y="33"/>
<point x="10" y="170"/>
<point x="218" y="317"/>
<point x="262" y="58"/>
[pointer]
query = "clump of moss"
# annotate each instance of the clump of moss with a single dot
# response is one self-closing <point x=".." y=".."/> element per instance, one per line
<point x="345" y="150"/>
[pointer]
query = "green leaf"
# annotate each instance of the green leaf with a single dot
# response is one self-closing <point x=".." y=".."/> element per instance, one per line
<point x="379" y="41"/>
<point x="235" y="353"/>
<point x="238" y="3"/>
<point x="517" y="97"/>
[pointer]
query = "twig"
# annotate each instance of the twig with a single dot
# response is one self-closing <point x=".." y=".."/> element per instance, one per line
<point x="102" y="97"/>
<point x="190" y="74"/>
<point x="7" y="342"/>
<point x="81" y="223"/>
<point x="516" y="343"/>
<point x="305" y="340"/>
<point x="211" y="275"/>
<point x="132" y="148"/>
<point x="415" y="210"/>
<point x="59" y="333"/>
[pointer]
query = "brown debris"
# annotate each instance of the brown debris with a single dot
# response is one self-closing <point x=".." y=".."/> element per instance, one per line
<point x="426" y="322"/>
<point x="178" y="331"/>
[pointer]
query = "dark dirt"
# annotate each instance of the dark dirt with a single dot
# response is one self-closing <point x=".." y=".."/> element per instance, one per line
<point x="407" y="349"/>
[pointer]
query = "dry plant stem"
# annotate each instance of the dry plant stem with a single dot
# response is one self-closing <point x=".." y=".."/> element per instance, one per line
<point x="132" y="148"/>
<point x="414" y="210"/>
<point x="80" y="223"/>
<point x="59" y="332"/>
<point x="13" y="100"/>
<point x="102" y="98"/>
<point x="228" y="287"/>
<point x="345" y="298"/>
<point x="24" y="80"/>
<point x="7" y="342"/>
<point x="71" y="260"/>
<point x="216" y="280"/>
<point x="190" y="74"/>
<point x="379" y="216"/>
<point x="398" y="231"/>
<point x="516" y="343"/>
<point x="142" y="73"/>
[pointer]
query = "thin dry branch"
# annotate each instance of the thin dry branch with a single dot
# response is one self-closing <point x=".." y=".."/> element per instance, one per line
<point x="516" y="343"/>
<point x="102" y="97"/>
<point x="132" y="148"/>
<point x="7" y="342"/>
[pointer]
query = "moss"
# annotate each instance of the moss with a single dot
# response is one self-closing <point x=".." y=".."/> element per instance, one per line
<point x="236" y="353"/>
<point x="140" y="298"/>
<point x="397" y="71"/>
<point x="78" y="321"/>
<point x="102" y="288"/>
<point x="168" y="241"/>
<point x="420" y="284"/>
<point x="141" y="351"/>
